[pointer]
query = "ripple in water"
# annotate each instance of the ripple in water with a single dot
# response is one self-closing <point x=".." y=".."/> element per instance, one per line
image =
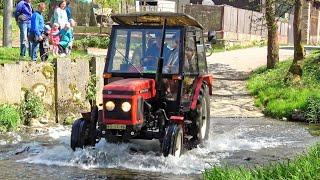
<point x="147" y="156"/>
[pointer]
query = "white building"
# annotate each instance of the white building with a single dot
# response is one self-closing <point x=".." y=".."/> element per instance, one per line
<point x="160" y="5"/>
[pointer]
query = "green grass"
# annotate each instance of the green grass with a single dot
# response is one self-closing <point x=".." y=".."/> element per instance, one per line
<point x="9" y="118"/>
<point x="11" y="55"/>
<point x="225" y="46"/>
<point x="303" y="167"/>
<point x="279" y="98"/>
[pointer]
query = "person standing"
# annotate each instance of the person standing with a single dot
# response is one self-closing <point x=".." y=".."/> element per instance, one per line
<point x="69" y="10"/>
<point x="23" y="15"/>
<point x="37" y="28"/>
<point x="60" y="14"/>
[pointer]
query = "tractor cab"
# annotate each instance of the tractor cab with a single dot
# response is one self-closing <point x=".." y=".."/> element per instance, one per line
<point x="156" y="83"/>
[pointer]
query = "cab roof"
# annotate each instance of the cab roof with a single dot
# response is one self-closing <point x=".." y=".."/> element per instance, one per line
<point x="155" y="19"/>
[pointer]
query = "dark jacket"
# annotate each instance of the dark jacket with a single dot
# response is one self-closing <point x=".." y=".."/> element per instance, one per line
<point x="23" y="12"/>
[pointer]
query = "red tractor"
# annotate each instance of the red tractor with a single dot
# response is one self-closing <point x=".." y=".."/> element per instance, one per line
<point x="156" y="85"/>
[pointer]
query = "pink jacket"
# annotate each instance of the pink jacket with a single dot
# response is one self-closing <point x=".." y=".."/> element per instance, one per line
<point x="54" y="39"/>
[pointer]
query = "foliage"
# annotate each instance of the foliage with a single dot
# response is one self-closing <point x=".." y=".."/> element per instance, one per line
<point x="312" y="112"/>
<point x="31" y="107"/>
<point x="91" y="89"/>
<point x="9" y="117"/>
<point x="280" y="98"/>
<point x="91" y="41"/>
<point x="69" y="120"/>
<point x="303" y="167"/>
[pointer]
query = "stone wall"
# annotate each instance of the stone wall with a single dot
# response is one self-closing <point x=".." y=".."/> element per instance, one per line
<point x="61" y="85"/>
<point x="72" y="77"/>
<point x="10" y="83"/>
<point x="39" y="78"/>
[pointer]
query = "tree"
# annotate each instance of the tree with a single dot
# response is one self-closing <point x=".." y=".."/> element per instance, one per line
<point x="272" y="26"/>
<point x="7" y="23"/>
<point x="296" y="68"/>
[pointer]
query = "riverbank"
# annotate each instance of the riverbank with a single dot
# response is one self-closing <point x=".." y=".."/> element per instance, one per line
<point x="303" y="167"/>
<point x="281" y="97"/>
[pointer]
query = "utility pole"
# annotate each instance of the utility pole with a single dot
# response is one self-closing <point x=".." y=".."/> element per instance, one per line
<point x="7" y="23"/>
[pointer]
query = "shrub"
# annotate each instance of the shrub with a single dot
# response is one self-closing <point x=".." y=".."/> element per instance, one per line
<point x="9" y="117"/>
<point x="312" y="112"/>
<point x="91" y="41"/>
<point x="31" y="107"/>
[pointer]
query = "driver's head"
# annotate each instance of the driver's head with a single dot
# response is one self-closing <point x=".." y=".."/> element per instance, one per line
<point x="158" y="38"/>
<point x="176" y="40"/>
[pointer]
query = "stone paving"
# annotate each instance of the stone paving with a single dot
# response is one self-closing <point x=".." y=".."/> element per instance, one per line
<point x="230" y="70"/>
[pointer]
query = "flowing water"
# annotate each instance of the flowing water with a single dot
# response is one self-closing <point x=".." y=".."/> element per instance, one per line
<point x="232" y="141"/>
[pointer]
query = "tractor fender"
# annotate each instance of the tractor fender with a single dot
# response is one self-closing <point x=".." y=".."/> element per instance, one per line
<point x="204" y="79"/>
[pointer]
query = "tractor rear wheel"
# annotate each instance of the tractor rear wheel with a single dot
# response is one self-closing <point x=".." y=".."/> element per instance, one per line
<point x="201" y="123"/>
<point x="83" y="134"/>
<point x="173" y="141"/>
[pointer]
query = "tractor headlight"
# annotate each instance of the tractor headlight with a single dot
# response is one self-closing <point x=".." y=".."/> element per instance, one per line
<point x="110" y="106"/>
<point x="126" y="106"/>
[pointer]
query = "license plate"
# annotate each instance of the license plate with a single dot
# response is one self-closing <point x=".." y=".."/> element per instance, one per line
<point x="116" y="126"/>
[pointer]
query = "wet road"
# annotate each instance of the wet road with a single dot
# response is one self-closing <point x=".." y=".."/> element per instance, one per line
<point x="239" y="135"/>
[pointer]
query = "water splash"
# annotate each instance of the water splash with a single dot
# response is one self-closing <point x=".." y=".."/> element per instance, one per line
<point x="147" y="156"/>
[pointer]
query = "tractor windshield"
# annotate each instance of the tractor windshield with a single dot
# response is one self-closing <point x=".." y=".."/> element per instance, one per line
<point x="138" y="50"/>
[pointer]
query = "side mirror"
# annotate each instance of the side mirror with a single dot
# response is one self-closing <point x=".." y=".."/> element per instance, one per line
<point x="212" y="37"/>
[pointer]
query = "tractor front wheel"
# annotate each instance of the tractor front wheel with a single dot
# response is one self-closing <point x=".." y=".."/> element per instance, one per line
<point x="83" y="134"/>
<point x="173" y="141"/>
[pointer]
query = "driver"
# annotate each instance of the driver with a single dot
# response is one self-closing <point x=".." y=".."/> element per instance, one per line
<point x="153" y="52"/>
<point x="172" y="66"/>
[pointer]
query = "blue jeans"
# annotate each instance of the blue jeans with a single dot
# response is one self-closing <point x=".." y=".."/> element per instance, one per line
<point x="34" y="50"/>
<point x="24" y="43"/>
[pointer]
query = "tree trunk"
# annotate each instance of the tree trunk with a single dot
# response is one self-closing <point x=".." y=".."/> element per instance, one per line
<point x="296" y="68"/>
<point x="273" y="44"/>
<point x="7" y="23"/>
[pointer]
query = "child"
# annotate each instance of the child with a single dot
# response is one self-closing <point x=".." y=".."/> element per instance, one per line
<point x="44" y="45"/>
<point x="55" y="39"/>
<point x="65" y="38"/>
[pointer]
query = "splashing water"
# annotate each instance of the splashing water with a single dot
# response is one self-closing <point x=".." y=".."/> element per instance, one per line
<point x="147" y="156"/>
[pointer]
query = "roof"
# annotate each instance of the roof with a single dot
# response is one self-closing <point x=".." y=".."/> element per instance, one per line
<point x="155" y="19"/>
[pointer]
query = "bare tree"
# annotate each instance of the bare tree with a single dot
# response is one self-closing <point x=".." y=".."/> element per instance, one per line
<point x="272" y="26"/>
<point x="7" y="23"/>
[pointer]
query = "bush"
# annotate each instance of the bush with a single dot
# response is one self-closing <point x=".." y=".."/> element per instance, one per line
<point x="91" y="41"/>
<point x="31" y="107"/>
<point x="312" y="112"/>
<point x="9" y="117"/>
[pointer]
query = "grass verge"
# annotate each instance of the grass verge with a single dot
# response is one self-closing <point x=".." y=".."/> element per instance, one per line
<point x="11" y="55"/>
<point x="280" y="98"/>
<point x="303" y="167"/>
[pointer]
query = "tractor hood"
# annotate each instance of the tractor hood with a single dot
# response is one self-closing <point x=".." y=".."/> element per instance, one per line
<point x="132" y="86"/>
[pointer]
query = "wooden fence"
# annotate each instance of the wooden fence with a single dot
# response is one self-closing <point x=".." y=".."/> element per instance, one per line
<point x="234" y="24"/>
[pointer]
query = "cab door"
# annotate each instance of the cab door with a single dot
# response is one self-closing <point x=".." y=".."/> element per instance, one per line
<point x="190" y="68"/>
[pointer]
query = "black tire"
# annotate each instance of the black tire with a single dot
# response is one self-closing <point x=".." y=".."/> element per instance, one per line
<point x="201" y="122"/>
<point x="173" y="141"/>
<point x="83" y="134"/>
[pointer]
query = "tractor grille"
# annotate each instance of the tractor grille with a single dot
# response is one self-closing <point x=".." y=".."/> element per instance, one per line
<point x="117" y="113"/>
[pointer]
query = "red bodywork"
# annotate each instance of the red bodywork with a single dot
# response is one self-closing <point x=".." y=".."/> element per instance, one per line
<point x="131" y="89"/>
<point x="209" y="81"/>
